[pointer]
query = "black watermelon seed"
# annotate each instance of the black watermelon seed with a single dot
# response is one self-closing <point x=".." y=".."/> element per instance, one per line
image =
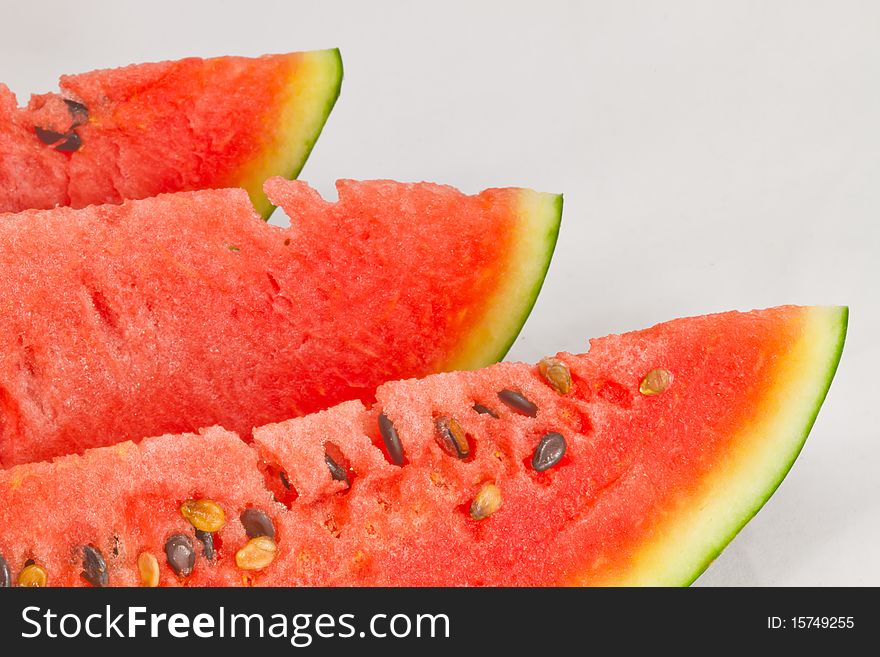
<point x="451" y="437"/>
<point x="284" y="480"/>
<point x="78" y="111"/>
<point x="391" y="439"/>
<point x="70" y="145"/>
<point x="336" y="471"/>
<point x="257" y="523"/>
<point x="549" y="451"/>
<point x="49" y="137"/>
<point x="5" y="576"/>
<point x="180" y="554"/>
<point x="485" y="410"/>
<point x="94" y="567"/>
<point x="517" y="402"/>
<point x="207" y="541"/>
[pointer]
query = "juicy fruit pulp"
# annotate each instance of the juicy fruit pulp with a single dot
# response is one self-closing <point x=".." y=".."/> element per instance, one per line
<point x="647" y="490"/>
<point x="145" y="129"/>
<point x="186" y="310"/>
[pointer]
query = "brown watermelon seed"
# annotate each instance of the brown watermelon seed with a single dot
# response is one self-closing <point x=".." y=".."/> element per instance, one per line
<point x="256" y="554"/>
<point x="486" y="502"/>
<point x="655" y="382"/>
<point x="391" y="439"/>
<point x="257" y="523"/>
<point x="148" y="568"/>
<point x="207" y="541"/>
<point x="284" y="480"/>
<point x="5" y="576"/>
<point x="205" y="515"/>
<point x="549" y="451"/>
<point x="49" y="137"/>
<point x="556" y="373"/>
<point x="70" y="145"/>
<point x="485" y="410"/>
<point x="517" y="402"/>
<point x="32" y="575"/>
<point x="180" y="554"/>
<point x="337" y="472"/>
<point x="94" y="567"/>
<point x="451" y="437"/>
<point x="78" y="111"/>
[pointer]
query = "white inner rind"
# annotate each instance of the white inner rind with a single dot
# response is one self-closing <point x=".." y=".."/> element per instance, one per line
<point x="736" y="490"/>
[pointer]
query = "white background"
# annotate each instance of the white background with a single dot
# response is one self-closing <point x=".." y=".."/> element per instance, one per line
<point x="713" y="156"/>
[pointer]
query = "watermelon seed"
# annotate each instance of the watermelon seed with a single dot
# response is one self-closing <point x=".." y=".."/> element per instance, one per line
<point x="94" y="567"/>
<point x="517" y="402"/>
<point x="257" y="523"/>
<point x="391" y="439"/>
<point x="205" y="515"/>
<point x="655" y="382"/>
<point x="49" y="137"/>
<point x="180" y="554"/>
<point x="556" y="373"/>
<point x="207" y="541"/>
<point x="5" y="577"/>
<point x="148" y="568"/>
<point x="284" y="480"/>
<point x="70" y="145"/>
<point x="549" y="451"/>
<point x="78" y="111"/>
<point x="451" y="437"/>
<point x="337" y="472"/>
<point x="486" y="502"/>
<point x="485" y="410"/>
<point x="256" y="554"/>
<point x="32" y="575"/>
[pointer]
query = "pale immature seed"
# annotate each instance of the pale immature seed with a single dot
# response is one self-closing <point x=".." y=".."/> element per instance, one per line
<point x="33" y="575"/>
<point x="148" y="567"/>
<point x="655" y="382"/>
<point x="256" y="554"/>
<point x="204" y="515"/>
<point x="486" y="502"/>
<point x="556" y="373"/>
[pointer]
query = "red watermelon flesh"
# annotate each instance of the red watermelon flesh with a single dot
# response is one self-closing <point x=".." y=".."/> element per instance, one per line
<point x="145" y="129"/>
<point x="655" y="479"/>
<point x="186" y="310"/>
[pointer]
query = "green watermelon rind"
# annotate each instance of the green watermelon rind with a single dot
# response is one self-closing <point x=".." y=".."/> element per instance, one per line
<point x="537" y="232"/>
<point x="330" y="63"/>
<point x="834" y="356"/>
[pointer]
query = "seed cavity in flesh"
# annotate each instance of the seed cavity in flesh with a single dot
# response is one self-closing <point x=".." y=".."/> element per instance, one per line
<point x="33" y="575"/>
<point x="78" y="111"/>
<point x="256" y="554"/>
<point x="485" y="410"/>
<point x="549" y="451"/>
<point x="451" y="437"/>
<point x="180" y="554"/>
<point x="486" y="502"/>
<point x="391" y="439"/>
<point x="148" y="568"/>
<point x="517" y="402"/>
<point x="655" y="382"/>
<point x="207" y="541"/>
<point x="5" y="576"/>
<point x="257" y="523"/>
<point x="556" y="373"/>
<point x="337" y="472"/>
<point x="205" y="515"/>
<point x="94" y="567"/>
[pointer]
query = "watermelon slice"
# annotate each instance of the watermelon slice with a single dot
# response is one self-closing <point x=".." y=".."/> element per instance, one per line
<point x="632" y="464"/>
<point x="186" y="310"/>
<point x="145" y="129"/>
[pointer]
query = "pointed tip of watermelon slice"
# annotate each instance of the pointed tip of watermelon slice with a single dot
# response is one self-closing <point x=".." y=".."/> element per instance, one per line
<point x="314" y="85"/>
